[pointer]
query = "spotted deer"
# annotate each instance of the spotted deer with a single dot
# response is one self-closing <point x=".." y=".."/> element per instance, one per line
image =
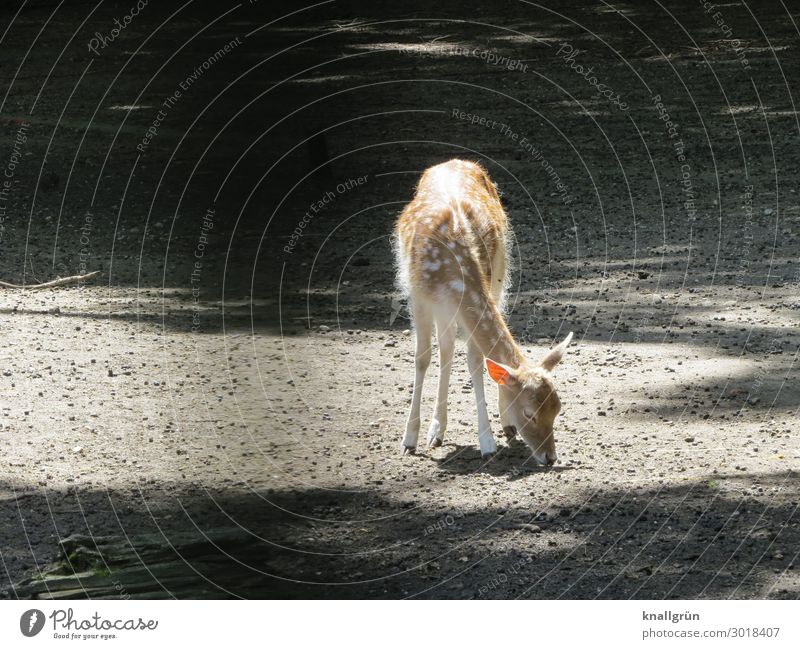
<point x="451" y="249"/>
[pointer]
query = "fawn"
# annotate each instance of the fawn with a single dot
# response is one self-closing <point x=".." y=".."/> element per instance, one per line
<point x="450" y="244"/>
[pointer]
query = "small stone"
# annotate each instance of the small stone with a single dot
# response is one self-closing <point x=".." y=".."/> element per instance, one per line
<point x="530" y="527"/>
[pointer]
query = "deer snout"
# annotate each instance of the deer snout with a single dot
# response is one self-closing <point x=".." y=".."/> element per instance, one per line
<point x="547" y="459"/>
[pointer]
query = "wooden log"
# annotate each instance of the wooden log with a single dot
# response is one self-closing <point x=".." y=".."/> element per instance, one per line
<point x="61" y="281"/>
<point x="183" y="565"/>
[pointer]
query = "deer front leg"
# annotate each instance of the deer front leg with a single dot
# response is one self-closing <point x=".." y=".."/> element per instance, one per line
<point x="446" y="334"/>
<point x="485" y="437"/>
<point x="502" y="400"/>
<point x="423" y="325"/>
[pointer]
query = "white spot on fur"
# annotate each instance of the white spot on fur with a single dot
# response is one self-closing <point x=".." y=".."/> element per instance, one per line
<point x="457" y="285"/>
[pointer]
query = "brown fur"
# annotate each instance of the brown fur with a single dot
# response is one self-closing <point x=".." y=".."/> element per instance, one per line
<point x="452" y="259"/>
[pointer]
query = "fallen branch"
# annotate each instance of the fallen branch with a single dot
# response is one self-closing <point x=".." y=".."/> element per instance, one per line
<point x="73" y="279"/>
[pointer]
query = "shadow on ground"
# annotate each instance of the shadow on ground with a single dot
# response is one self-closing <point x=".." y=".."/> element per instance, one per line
<point x="727" y="536"/>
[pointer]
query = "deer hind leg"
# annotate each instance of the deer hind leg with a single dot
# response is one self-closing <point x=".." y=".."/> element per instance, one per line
<point x="485" y="437"/>
<point x="446" y="335"/>
<point x="423" y="328"/>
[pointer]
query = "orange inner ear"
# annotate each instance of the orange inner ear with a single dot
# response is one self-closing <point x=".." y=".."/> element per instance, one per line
<point x="498" y="373"/>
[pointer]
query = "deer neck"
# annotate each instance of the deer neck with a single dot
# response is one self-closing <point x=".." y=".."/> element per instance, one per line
<point x="493" y="338"/>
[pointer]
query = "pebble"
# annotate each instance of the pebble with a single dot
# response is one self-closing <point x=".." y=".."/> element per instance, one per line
<point x="529" y="527"/>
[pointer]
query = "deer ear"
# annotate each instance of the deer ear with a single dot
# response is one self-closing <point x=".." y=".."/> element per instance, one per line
<point x="500" y="373"/>
<point x="555" y="355"/>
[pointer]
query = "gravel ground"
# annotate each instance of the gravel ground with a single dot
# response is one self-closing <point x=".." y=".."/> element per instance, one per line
<point x="244" y="359"/>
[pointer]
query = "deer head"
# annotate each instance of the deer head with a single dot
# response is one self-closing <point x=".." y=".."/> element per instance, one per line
<point x="529" y="402"/>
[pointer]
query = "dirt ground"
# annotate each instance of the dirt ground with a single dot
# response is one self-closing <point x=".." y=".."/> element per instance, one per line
<point x="244" y="359"/>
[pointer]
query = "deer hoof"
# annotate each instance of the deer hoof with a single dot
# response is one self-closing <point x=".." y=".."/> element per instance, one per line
<point x="409" y="450"/>
<point x="435" y="443"/>
<point x="487" y="456"/>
